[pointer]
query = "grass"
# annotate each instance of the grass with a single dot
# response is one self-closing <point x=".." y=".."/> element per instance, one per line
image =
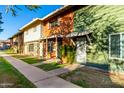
<point x="50" y="66"/>
<point x="11" y="77"/>
<point x="81" y="83"/>
<point x="89" y="78"/>
<point x="8" y="51"/>
<point x="27" y="59"/>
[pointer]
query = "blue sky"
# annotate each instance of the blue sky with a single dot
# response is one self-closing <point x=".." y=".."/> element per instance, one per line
<point x="12" y="24"/>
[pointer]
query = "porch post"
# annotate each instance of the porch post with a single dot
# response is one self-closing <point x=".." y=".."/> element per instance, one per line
<point x="56" y="47"/>
<point x="46" y="47"/>
<point x="38" y="49"/>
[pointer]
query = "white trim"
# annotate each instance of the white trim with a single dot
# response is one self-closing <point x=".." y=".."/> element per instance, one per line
<point x="120" y="45"/>
<point x="36" y="19"/>
<point x="109" y="46"/>
<point x="110" y="57"/>
<point x="116" y="58"/>
<point x="56" y="11"/>
<point x="117" y="33"/>
<point x="75" y="34"/>
<point x="50" y="37"/>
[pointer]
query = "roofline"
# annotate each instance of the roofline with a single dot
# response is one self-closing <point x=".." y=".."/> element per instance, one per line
<point x="29" y="23"/>
<point x="47" y="16"/>
<point x="56" y="11"/>
<point x="15" y="34"/>
<point x="82" y="33"/>
<point x="20" y="30"/>
<point x="41" y="19"/>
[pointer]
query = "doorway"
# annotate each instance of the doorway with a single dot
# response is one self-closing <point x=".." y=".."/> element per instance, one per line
<point x="81" y="50"/>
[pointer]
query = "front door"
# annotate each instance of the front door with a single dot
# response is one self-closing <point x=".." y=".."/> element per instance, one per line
<point x="81" y="50"/>
<point x="59" y="49"/>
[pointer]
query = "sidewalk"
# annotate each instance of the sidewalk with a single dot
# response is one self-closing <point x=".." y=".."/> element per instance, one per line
<point x="37" y="76"/>
<point x="66" y="69"/>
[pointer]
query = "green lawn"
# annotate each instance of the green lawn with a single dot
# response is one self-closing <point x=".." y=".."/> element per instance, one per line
<point x="90" y="78"/>
<point x="51" y="66"/>
<point x="8" y="51"/>
<point x="27" y="59"/>
<point x="10" y="77"/>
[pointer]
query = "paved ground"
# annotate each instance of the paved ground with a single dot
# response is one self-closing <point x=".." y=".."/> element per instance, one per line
<point x="37" y="64"/>
<point x="45" y="62"/>
<point x="64" y="70"/>
<point x="37" y="76"/>
<point x="59" y="71"/>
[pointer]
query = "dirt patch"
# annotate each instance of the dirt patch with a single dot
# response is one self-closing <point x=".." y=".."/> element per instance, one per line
<point x="86" y="77"/>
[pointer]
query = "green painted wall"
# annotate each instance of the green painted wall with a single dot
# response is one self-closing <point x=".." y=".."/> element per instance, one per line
<point x="102" y="20"/>
<point x="104" y="13"/>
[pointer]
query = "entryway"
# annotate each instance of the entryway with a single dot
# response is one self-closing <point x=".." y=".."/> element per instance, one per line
<point x="81" y="50"/>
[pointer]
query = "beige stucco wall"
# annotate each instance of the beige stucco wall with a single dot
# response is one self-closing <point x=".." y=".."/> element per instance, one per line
<point x="33" y="33"/>
<point x="36" y="46"/>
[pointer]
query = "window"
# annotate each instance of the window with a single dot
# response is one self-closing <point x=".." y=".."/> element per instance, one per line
<point x="26" y="32"/>
<point x="34" y="29"/>
<point x="54" y="23"/>
<point x="116" y="46"/>
<point x="37" y="27"/>
<point x="50" y="46"/>
<point x="31" y="47"/>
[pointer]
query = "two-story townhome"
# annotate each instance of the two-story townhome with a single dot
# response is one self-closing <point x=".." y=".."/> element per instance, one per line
<point x="32" y="34"/>
<point x="16" y="42"/>
<point x="59" y="31"/>
<point x="56" y="25"/>
<point x="45" y="37"/>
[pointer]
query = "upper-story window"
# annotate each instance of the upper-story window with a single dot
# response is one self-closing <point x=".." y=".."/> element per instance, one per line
<point x="37" y="27"/>
<point x="26" y="32"/>
<point x="34" y="29"/>
<point x="54" y="23"/>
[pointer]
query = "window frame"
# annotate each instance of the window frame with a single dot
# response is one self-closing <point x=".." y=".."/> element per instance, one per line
<point x="50" y="46"/>
<point x="121" y="45"/>
<point x="34" y="29"/>
<point x="55" y="23"/>
<point x="26" y="32"/>
<point x="31" y="48"/>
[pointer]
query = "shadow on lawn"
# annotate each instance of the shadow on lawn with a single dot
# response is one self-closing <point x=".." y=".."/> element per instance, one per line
<point x="105" y="67"/>
<point x="92" y="78"/>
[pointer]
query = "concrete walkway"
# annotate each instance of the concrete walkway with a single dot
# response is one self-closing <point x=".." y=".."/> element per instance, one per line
<point x="64" y="70"/>
<point x="37" y="76"/>
<point x="45" y="62"/>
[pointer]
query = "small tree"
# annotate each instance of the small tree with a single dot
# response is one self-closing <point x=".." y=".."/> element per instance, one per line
<point x="13" y="8"/>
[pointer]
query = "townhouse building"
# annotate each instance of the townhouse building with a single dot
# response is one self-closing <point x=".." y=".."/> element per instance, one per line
<point x="46" y="36"/>
<point x="16" y="42"/>
<point x="53" y="25"/>
<point x="59" y="31"/>
<point x="32" y="34"/>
